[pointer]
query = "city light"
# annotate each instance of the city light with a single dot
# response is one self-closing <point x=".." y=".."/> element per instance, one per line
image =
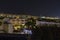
<point x="49" y="17"/>
<point x="19" y="23"/>
<point x="43" y="17"/>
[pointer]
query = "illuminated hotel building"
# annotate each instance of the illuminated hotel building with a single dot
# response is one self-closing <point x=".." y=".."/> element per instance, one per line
<point x="15" y="22"/>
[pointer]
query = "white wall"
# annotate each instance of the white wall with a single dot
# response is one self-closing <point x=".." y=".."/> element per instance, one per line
<point x="43" y="22"/>
<point x="10" y="28"/>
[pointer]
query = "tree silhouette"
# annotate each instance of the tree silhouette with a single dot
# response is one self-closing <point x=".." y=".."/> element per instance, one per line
<point x="0" y="23"/>
<point x="31" y="22"/>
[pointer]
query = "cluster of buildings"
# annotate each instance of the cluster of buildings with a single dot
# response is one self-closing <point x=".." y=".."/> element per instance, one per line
<point x="9" y="23"/>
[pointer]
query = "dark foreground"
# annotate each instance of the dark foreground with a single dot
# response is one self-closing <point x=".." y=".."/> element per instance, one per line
<point x="43" y="33"/>
<point x="5" y="36"/>
<point x="46" y="33"/>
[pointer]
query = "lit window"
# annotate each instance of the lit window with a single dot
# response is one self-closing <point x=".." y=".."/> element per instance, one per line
<point x="15" y="28"/>
<point x="18" y="27"/>
<point x="1" y="14"/>
<point x="23" y="24"/>
<point x="17" y="16"/>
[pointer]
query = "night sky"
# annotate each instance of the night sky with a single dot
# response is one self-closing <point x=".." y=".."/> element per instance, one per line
<point x="31" y="7"/>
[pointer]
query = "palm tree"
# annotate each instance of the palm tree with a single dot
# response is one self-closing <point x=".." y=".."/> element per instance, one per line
<point x="31" y="22"/>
